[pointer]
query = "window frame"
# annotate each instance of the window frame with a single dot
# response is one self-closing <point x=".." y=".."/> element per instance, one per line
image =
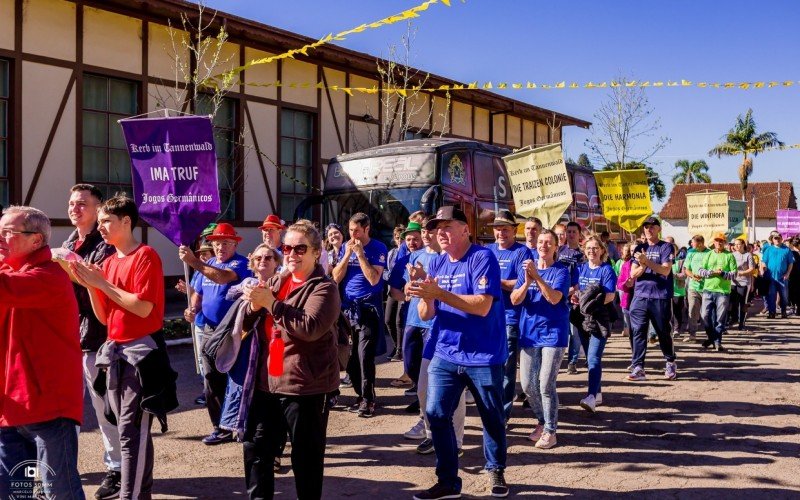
<point x="314" y="164"/>
<point x="7" y="126"/>
<point x="236" y="159"/>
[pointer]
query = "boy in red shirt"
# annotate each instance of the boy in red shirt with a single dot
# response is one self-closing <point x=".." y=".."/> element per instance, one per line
<point x="127" y="296"/>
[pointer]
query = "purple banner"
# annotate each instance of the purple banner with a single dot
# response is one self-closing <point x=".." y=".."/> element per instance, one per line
<point x="788" y="223"/>
<point x="174" y="170"/>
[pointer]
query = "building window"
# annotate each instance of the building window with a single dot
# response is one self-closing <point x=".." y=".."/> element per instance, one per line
<point x="296" y="155"/>
<point x="4" y="110"/>
<point x="225" y="135"/>
<point x="106" y="163"/>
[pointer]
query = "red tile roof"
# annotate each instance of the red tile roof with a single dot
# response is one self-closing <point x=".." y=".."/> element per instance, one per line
<point x="766" y="194"/>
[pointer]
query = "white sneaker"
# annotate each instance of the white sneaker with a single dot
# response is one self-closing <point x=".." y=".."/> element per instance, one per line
<point x="598" y="400"/>
<point x="588" y="403"/>
<point x="416" y="432"/>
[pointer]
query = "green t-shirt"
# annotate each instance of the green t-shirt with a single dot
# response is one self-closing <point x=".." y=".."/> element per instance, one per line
<point x="718" y="260"/>
<point x="679" y="285"/>
<point x="694" y="259"/>
<point x="617" y="266"/>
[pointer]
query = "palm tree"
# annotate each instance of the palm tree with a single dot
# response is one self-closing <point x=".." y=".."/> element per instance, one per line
<point x="695" y="172"/>
<point x="743" y="140"/>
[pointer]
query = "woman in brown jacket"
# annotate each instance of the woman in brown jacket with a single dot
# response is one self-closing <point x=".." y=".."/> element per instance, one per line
<point x="300" y="307"/>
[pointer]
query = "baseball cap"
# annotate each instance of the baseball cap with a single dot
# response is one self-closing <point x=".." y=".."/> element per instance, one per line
<point x="720" y="236"/>
<point x="651" y="221"/>
<point x="446" y="213"/>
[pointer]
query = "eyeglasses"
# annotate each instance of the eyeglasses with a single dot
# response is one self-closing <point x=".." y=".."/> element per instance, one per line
<point x="6" y="233"/>
<point x="259" y="258"/>
<point x="298" y="249"/>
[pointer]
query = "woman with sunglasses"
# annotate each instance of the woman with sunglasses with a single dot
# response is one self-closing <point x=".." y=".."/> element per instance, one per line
<point x="298" y="366"/>
<point x="595" y="276"/>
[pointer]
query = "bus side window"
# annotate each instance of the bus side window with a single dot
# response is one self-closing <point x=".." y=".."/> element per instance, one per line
<point x="490" y="178"/>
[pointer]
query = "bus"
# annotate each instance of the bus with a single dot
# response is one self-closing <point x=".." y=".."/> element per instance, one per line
<point x="391" y="181"/>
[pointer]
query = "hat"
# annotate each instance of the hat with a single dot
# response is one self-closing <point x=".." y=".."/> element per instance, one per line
<point x="720" y="236"/>
<point x="651" y="221"/>
<point x="774" y="234"/>
<point x="205" y="247"/>
<point x="447" y="213"/>
<point x="413" y="227"/>
<point x="273" y="222"/>
<point x="208" y="230"/>
<point x="504" y="218"/>
<point x="224" y="231"/>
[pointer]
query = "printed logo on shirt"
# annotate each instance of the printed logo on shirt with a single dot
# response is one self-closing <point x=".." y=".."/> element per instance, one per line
<point x="483" y="282"/>
<point x="382" y="258"/>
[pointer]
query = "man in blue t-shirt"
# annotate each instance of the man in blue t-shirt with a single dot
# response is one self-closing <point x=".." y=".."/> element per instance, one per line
<point x="652" y="299"/>
<point x="226" y="269"/>
<point x="462" y="292"/>
<point x="510" y="255"/>
<point x="571" y="255"/>
<point x="776" y="266"/>
<point x="360" y="277"/>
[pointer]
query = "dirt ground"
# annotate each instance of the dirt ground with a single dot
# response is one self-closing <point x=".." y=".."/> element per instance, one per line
<point x="727" y="428"/>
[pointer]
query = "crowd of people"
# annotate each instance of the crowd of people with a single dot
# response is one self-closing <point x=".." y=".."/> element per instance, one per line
<point x="275" y="328"/>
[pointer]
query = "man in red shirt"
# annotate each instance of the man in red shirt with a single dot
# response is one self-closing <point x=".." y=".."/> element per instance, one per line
<point x="127" y="296"/>
<point x="41" y="374"/>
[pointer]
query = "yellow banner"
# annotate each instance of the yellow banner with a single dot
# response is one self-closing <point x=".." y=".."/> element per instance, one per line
<point x="539" y="183"/>
<point x="626" y="197"/>
<point x="708" y="214"/>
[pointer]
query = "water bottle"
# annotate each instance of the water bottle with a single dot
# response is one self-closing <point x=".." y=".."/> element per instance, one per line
<point x="276" y="354"/>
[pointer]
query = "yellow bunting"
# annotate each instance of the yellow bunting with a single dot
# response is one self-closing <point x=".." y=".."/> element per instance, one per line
<point x="625" y="195"/>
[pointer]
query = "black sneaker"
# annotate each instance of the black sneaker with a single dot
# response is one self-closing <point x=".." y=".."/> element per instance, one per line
<point x="572" y="369"/>
<point x="437" y="492"/>
<point x="425" y="447"/>
<point x="366" y="409"/>
<point x="412" y="408"/>
<point x="499" y="488"/>
<point x="200" y="400"/>
<point x="707" y="344"/>
<point x="356" y="406"/>
<point x="217" y="437"/>
<point x="110" y="486"/>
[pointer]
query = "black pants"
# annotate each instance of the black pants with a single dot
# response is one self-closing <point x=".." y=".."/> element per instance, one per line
<point x="738" y="310"/>
<point x="394" y="315"/>
<point x="270" y="417"/>
<point x="214" y="385"/>
<point x="678" y="307"/>
<point x="361" y="367"/>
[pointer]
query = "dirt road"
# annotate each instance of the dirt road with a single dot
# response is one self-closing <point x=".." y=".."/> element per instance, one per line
<point x="729" y="427"/>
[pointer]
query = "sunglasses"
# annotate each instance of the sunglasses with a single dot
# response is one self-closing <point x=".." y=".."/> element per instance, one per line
<point x="259" y="258"/>
<point x="298" y="249"/>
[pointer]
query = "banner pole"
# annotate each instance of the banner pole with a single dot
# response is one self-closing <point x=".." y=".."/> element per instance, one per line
<point x="191" y="325"/>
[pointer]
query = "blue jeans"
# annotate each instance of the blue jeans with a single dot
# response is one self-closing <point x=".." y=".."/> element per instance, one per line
<point x="510" y="369"/>
<point x="51" y="448"/>
<point x="715" y="314"/>
<point x="413" y="342"/>
<point x="574" y="345"/>
<point x="446" y="383"/>
<point x="645" y="311"/>
<point x="538" y="369"/>
<point x="777" y="288"/>
<point x="594" y="345"/>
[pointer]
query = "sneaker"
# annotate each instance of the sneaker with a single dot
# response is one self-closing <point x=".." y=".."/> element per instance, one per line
<point x="536" y="434"/>
<point x="671" y="371"/>
<point x="572" y="369"/>
<point x="707" y="344"/>
<point x="469" y="398"/>
<point x="718" y="346"/>
<point x="676" y="335"/>
<point x="416" y="432"/>
<point x="366" y="409"/>
<point x="413" y="407"/>
<point x="520" y="397"/>
<point x="200" y="400"/>
<point x="526" y="403"/>
<point x="598" y="400"/>
<point x="547" y="441"/>
<point x="437" y="492"/>
<point x="396" y="357"/>
<point x="425" y="447"/>
<point x="345" y="382"/>
<point x="588" y="403"/>
<point x="653" y="340"/>
<point x="110" y="486"/>
<point x="354" y="408"/>
<point x="217" y="437"/>
<point x="497" y="483"/>
<point x="410" y="392"/>
<point x="690" y="338"/>
<point x="637" y="374"/>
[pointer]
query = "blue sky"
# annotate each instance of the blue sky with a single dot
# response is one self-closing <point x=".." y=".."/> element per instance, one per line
<point x="583" y="40"/>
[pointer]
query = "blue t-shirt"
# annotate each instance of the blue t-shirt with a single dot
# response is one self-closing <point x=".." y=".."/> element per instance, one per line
<point x="510" y="261"/>
<point x="652" y="285"/>
<point x="215" y="305"/>
<point x="355" y="284"/>
<point x="419" y="257"/>
<point x="572" y="258"/>
<point x="534" y="254"/>
<point x="395" y="278"/>
<point x="196" y="282"/>
<point x="777" y="260"/>
<point x="603" y="275"/>
<point x="542" y="324"/>
<point x="468" y="339"/>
